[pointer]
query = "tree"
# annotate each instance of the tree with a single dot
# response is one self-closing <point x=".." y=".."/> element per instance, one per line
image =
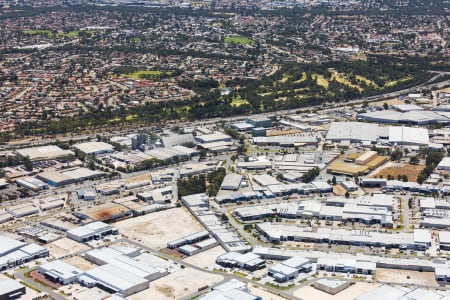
<point x="397" y="154"/>
<point x="333" y="180"/>
<point x="347" y="194"/>
<point x="385" y="106"/>
<point x="28" y="164"/>
<point x="311" y="175"/>
<point x="414" y="160"/>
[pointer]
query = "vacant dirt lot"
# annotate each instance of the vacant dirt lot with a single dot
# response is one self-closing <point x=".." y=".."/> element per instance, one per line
<point x="395" y="169"/>
<point x="405" y="276"/>
<point x="359" y="288"/>
<point x="177" y="285"/>
<point x="64" y="246"/>
<point x="156" y="229"/>
<point x="207" y="258"/>
<point x="80" y="263"/>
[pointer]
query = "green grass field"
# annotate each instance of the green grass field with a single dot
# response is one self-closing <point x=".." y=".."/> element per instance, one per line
<point x="238" y="101"/>
<point x="140" y="73"/>
<point x="242" y="40"/>
<point x="321" y="80"/>
<point x="73" y="33"/>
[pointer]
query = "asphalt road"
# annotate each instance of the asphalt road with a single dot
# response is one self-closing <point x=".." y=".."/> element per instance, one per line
<point x="242" y="117"/>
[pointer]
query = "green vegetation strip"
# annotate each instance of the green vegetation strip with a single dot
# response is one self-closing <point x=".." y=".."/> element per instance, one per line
<point x="242" y="40"/>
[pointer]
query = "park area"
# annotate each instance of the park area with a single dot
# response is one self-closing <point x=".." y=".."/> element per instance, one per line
<point x="241" y="40"/>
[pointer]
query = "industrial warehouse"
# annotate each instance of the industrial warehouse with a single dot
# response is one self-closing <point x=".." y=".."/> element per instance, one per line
<point x="14" y="253"/>
<point x="276" y="233"/>
<point x="121" y="270"/>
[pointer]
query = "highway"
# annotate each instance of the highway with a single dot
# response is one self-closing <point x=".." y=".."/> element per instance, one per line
<point x="112" y="131"/>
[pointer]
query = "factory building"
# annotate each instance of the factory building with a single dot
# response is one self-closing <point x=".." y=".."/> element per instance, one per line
<point x="114" y="279"/>
<point x="60" y="272"/>
<point x="354" y="132"/>
<point x="104" y="212"/>
<point x="44" y="153"/>
<point x="94" y="148"/>
<point x="346" y="266"/>
<point x="408" y="136"/>
<point x="62" y="178"/>
<point x="413" y="117"/>
<point x="32" y="183"/>
<point x="22" y="210"/>
<point x="95" y="230"/>
<point x="231" y="182"/>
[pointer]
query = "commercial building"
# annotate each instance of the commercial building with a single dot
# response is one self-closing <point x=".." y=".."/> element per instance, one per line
<point x="94" y="148"/>
<point x="248" y="261"/>
<point x="290" y="268"/>
<point x="60" y="272"/>
<point x="241" y="126"/>
<point x="196" y="200"/>
<point x="260" y="122"/>
<point x="346" y="266"/>
<point x="88" y="232"/>
<point x="251" y="213"/>
<point x="161" y="195"/>
<point x="276" y="233"/>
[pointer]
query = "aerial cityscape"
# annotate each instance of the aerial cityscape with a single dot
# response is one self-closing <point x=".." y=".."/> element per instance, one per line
<point x="219" y="149"/>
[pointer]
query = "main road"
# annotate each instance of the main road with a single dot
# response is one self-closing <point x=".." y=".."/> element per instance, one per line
<point x="390" y="95"/>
